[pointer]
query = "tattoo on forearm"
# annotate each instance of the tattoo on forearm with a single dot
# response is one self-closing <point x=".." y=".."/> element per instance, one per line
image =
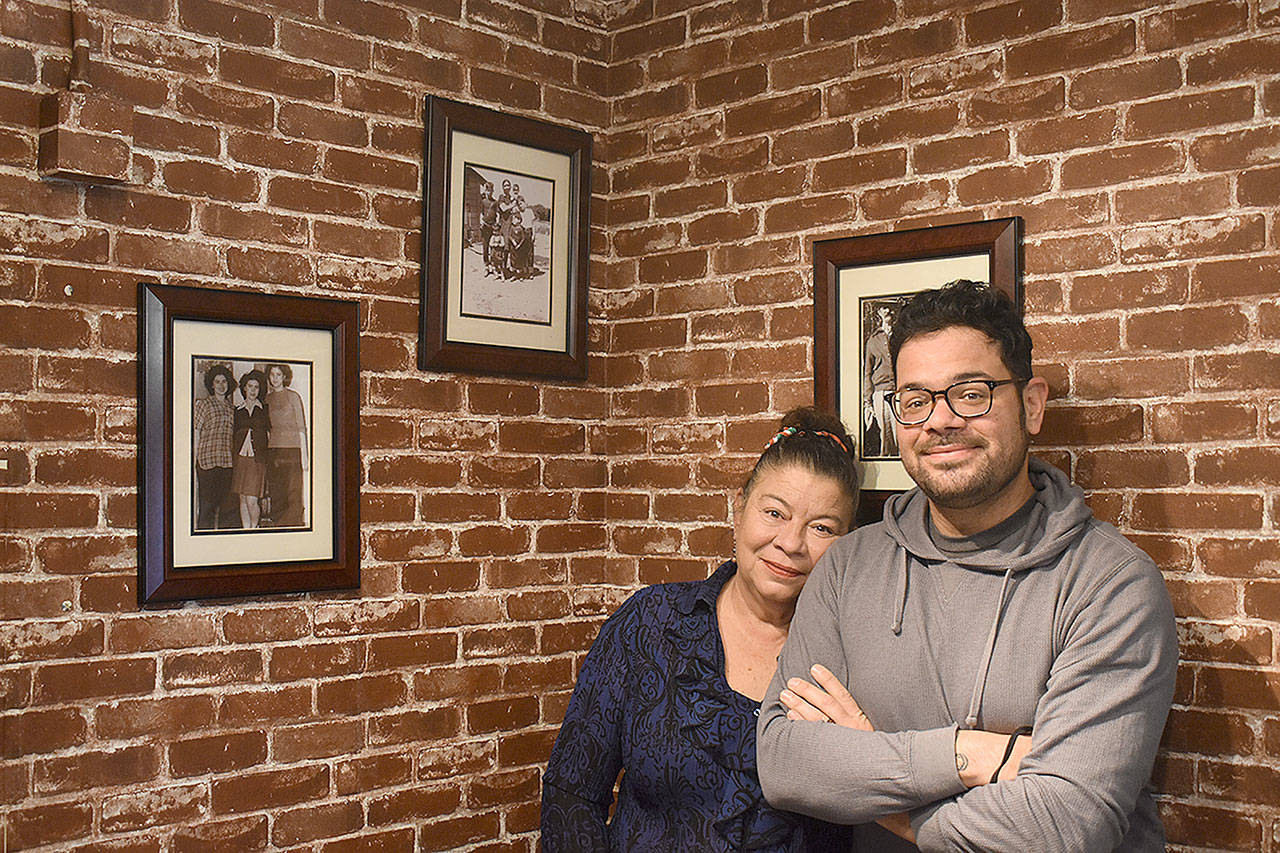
<point x="962" y="762"/>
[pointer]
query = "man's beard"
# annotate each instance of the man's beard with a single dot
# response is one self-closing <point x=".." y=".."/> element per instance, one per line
<point x="990" y="478"/>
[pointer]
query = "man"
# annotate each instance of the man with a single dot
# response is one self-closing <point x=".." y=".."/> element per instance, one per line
<point x="989" y="599"/>
<point x="877" y="377"/>
<point x="488" y="223"/>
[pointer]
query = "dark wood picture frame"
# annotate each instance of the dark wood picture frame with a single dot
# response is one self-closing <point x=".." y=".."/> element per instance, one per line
<point x="893" y="256"/>
<point x="466" y="146"/>
<point x="250" y="329"/>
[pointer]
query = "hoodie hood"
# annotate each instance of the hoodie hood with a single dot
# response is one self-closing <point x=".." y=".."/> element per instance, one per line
<point x="1055" y="522"/>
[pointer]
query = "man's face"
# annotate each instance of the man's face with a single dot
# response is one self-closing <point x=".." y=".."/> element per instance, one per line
<point x="885" y="319"/>
<point x="967" y="463"/>
<point x="506" y="188"/>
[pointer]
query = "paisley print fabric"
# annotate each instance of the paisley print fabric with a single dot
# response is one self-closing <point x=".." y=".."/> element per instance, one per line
<point x="652" y="701"/>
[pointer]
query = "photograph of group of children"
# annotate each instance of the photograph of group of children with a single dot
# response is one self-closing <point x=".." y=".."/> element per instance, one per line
<point x="250" y="448"/>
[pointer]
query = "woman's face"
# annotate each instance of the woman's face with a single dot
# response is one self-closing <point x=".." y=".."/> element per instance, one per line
<point x="276" y="378"/>
<point x="787" y="521"/>
<point x="219" y="385"/>
<point x="251" y="389"/>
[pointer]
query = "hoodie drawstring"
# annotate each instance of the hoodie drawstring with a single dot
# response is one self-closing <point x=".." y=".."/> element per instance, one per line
<point x="975" y="702"/>
<point x="902" y="591"/>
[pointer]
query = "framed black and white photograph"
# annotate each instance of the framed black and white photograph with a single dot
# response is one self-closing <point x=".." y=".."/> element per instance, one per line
<point x="859" y="282"/>
<point x="248" y="444"/>
<point x="505" y="222"/>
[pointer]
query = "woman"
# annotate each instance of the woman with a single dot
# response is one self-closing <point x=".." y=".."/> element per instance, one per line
<point x="286" y="448"/>
<point x="669" y="691"/>
<point x="212" y="421"/>
<point x="249" y="472"/>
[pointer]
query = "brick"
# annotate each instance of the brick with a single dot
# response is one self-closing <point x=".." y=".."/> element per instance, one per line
<point x="736" y="157"/>
<point x="1235" y="60"/>
<point x="1224" y="643"/>
<point x="412" y="651"/>
<point x="32" y="640"/>
<point x="86" y="554"/>
<point x="41" y="731"/>
<point x="160" y="631"/>
<point x="1131" y="378"/>
<point x="1261" y="599"/>
<point x="47" y="823"/>
<point x="1168" y="116"/>
<point x="1101" y="469"/>
<point x="1186" y="328"/>
<point x="165" y="717"/>
<point x="1241" y="783"/>
<point x="265" y="624"/>
<point x="209" y="668"/>
<point x="260" y="705"/>
<point x="1121" y="164"/>
<point x="1207" y="421"/>
<point x="317" y="740"/>
<point x="269" y="789"/>
<point x="1237" y="371"/>
<point x="1240" y="466"/>
<point x="1208" y="733"/>
<point x="316" y="660"/>
<point x="369" y="773"/>
<point x="1091" y="425"/>
<point x="1011" y="20"/>
<point x="908" y="123"/>
<point x="504" y="471"/>
<point x="364" y="617"/>
<point x="1129" y="289"/>
<point x="1236" y="149"/>
<point x="1232" y="279"/>
<point x="138" y="810"/>
<point x="129" y="765"/>
<point x="1092" y="46"/>
<point x="502" y="714"/>
<point x="1002" y="183"/>
<point x="898" y="201"/>
<point x="1223" y="828"/>
<point x="361" y="694"/>
<point x="208" y="836"/>
<point x="1017" y="102"/>
<point x="781" y="112"/>
<point x="278" y="76"/>
<point x="225" y="105"/>
<point x="46" y="328"/>
<point x="1240" y="557"/>
<point x="412" y="470"/>
<point x="1196" y="510"/>
<point x="220" y="753"/>
<point x="63" y="682"/>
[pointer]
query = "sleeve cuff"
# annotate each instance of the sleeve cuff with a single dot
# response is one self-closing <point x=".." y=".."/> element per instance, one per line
<point x="933" y="764"/>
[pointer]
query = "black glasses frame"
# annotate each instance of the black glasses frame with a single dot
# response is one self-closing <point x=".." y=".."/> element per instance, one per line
<point x="945" y="393"/>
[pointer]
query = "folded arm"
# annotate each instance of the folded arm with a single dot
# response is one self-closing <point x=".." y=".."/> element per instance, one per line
<point x="1097" y="728"/>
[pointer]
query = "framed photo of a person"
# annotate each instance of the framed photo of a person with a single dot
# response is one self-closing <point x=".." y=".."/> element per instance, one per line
<point x="247" y="444"/>
<point x="505" y="231"/>
<point x="859" y="282"/>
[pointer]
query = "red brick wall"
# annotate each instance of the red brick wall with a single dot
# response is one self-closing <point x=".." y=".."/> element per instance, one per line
<point x="278" y="147"/>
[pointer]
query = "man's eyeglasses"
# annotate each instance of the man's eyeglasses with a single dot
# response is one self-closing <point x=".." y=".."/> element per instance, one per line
<point x="970" y="398"/>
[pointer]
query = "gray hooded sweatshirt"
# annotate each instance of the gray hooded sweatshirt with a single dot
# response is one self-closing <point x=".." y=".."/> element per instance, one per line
<point x="1051" y="619"/>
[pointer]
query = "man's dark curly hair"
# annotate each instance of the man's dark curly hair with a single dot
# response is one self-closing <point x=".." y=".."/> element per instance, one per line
<point x="966" y="303"/>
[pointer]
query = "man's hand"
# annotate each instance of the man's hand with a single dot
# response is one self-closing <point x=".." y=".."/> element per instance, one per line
<point x="979" y="753"/>
<point x="826" y="702"/>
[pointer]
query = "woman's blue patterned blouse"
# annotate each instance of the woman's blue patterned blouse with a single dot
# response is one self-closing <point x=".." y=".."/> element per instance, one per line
<point x="652" y="700"/>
